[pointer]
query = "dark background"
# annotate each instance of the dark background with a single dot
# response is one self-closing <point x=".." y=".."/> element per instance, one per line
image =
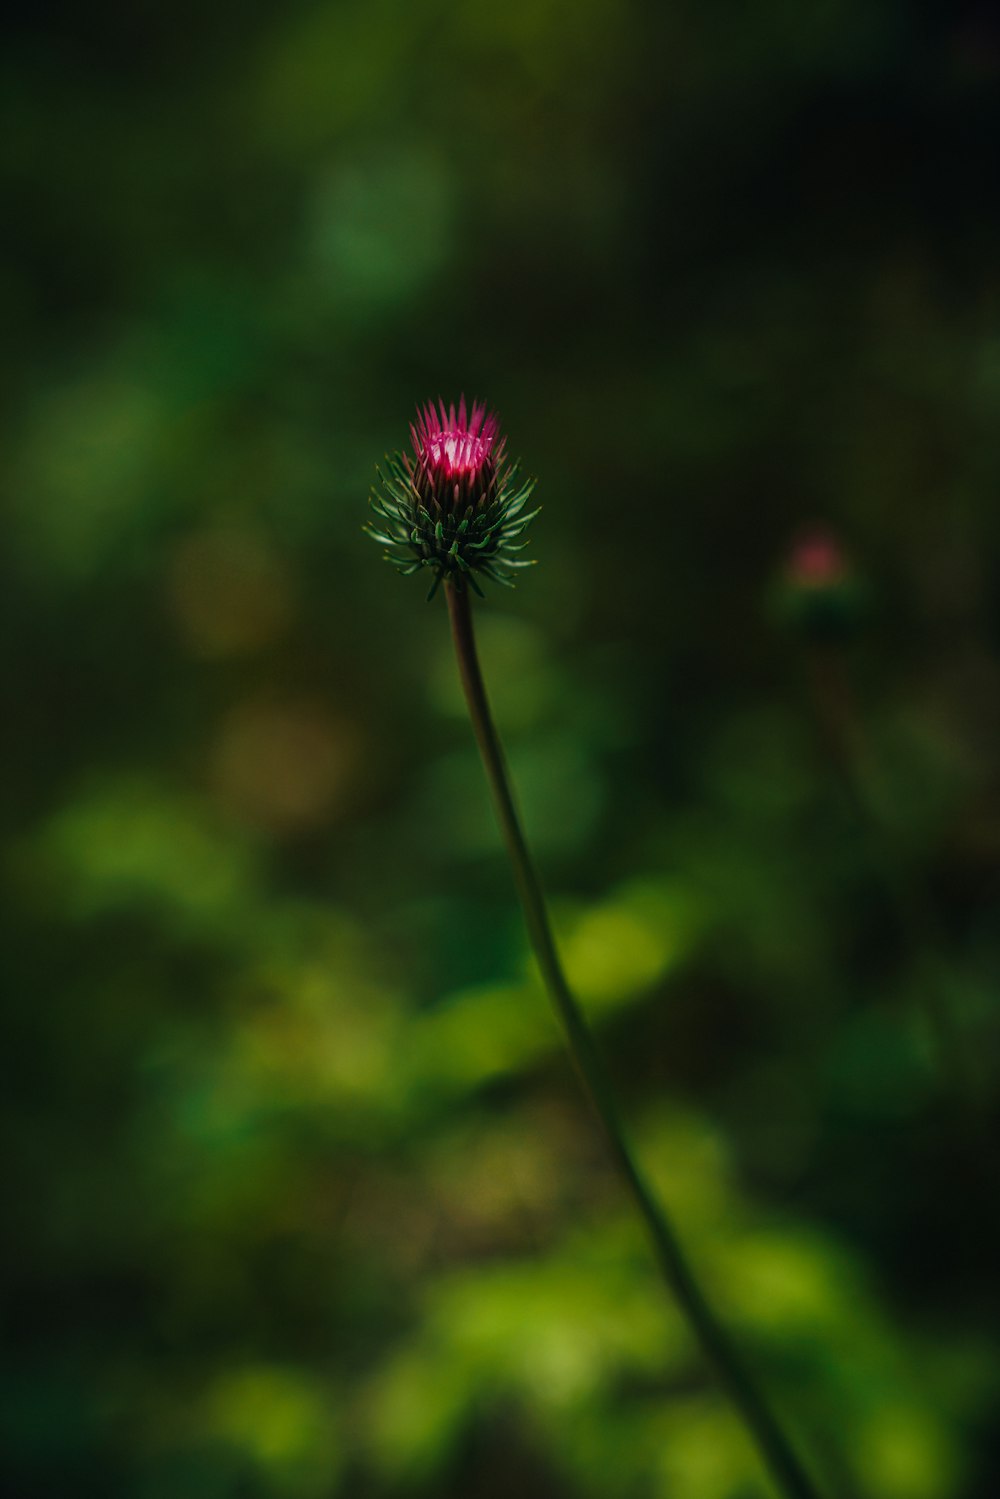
<point x="300" y="1198"/>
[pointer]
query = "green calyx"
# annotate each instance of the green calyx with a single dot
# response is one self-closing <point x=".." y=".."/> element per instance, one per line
<point x="457" y="529"/>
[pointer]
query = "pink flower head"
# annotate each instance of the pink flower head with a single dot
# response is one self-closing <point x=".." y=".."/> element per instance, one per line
<point x="457" y="454"/>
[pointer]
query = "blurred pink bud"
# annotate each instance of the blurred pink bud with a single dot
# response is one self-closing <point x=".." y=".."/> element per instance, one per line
<point x="817" y="560"/>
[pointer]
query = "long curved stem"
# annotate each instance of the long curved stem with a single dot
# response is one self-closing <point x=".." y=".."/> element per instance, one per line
<point x="772" y="1444"/>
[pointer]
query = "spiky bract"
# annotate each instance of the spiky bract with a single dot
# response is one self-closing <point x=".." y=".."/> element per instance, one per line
<point x="457" y="505"/>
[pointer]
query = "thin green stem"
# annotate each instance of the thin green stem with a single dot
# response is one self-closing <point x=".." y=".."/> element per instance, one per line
<point x="771" y="1441"/>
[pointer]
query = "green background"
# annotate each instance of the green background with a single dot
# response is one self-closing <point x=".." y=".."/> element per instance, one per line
<point x="300" y="1197"/>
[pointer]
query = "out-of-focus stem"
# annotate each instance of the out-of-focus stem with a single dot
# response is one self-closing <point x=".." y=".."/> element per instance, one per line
<point x="850" y="751"/>
<point x="773" y="1445"/>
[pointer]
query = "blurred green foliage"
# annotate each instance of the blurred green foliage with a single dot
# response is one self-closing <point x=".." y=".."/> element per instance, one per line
<point x="301" y="1200"/>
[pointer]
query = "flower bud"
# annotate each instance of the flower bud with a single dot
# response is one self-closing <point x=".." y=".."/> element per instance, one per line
<point x="819" y="593"/>
<point x="456" y="505"/>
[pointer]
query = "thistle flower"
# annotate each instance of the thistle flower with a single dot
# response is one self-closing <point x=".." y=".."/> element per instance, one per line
<point x="457" y="505"/>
